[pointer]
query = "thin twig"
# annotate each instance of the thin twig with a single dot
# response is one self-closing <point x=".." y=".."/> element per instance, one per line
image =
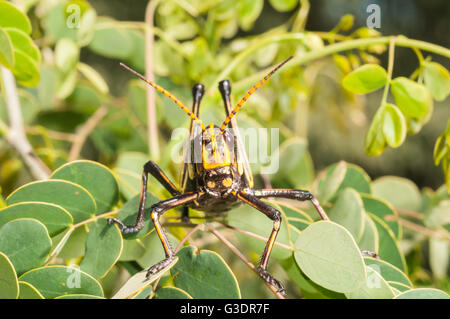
<point x="420" y="229"/>
<point x="16" y="136"/>
<point x="242" y="257"/>
<point x="52" y="134"/>
<point x="84" y="131"/>
<point x="409" y="213"/>
<point x="245" y="232"/>
<point x="153" y="144"/>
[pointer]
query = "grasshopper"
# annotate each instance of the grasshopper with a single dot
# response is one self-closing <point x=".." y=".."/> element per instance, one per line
<point x="216" y="175"/>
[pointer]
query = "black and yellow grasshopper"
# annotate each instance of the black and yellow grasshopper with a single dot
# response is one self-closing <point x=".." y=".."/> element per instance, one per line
<point x="216" y="175"/>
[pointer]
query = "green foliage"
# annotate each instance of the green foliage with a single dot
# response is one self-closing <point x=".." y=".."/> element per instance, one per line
<point x="55" y="241"/>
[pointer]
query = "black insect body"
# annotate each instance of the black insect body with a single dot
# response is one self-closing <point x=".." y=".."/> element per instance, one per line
<point x="216" y="176"/>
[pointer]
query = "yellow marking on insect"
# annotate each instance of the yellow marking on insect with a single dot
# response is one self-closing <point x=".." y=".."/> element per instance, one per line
<point x="227" y="182"/>
<point x="250" y="92"/>
<point x="166" y="93"/>
<point x="211" y="184"/>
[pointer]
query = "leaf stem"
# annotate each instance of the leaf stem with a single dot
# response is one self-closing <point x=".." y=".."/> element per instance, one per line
<point x="389" y="70"/>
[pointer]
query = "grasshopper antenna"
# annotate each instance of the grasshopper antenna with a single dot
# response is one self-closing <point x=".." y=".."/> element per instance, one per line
<point x="250" y="92"/>
<point x="165" y="92"/>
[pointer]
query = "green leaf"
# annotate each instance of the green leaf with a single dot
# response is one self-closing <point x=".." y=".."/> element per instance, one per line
<point x="54" y="281"/>
<point x="204" y="274"/>
<point x="412" y="98"/>
<point x="72" y="197"/>
<point x="67" y="54"/>
<point x="348" y="211"/>
<point x="74" y="244"/>
<point x="252" y="220"/>
<point x="399" y="192"/>
<point x="441" y="148"/>
<point x="388" y="249"/>
<point x="11" y="17"/>
<point x="55" y="218"/>
<point x="375" y="142"/>
<point x="154" y="251"/>
<point x="248" y="12"/>
<point x="103" y="248"/>
<point x="369" y="239"/>
<point x="139" y="282"/>
<point x="289" y="155"/>
<point x="327" y="253"/>
<point x="394" y="126"/>
<point x="26" y="243"/>
<point x="128" y="215"/>
<point x="26" y="70"/>
<point x="283" y="5"/>
<point x="374" y="288"/>
<point x="382" y="209"/>
<point x="93" y="77"/>
<point x="9" y="286"/>
<point x="365" y="79"/>
<point x="6" y="50"/>
<point x="423" y="293"/>
<point x="28" y="291"/>
<point x="329" y="182"/>
<point x="112" y="42"/>
<point x="308" y="288"/>
<point x="96" y="178"/>
<point x="389" y="272"/>
<point x="23" y="43"/>
<point x="437" y="80"/>
<point x="439" y="251"/>
<point x="171" y="293"/>
<point x="133" y="249"/>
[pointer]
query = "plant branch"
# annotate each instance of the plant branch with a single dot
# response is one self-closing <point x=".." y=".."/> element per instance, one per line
<point x="242" y="257"/>
<point x="342" y="46"/>
<point x="16" y="136"/>
<point x="152" y="133"/>
<point x="420" y="229"/>
<point x="84" y="131"/>
<point x="389" y="70"/>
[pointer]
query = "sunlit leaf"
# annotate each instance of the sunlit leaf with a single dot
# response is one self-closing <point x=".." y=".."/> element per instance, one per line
<point x="26" y="242"/>
<point x="9" y="286"/>
<point x="437" y="80"/>
<point x="204" y="274"/>
<point x="365" y="79"/>
<point x="11" y="17"/>
<point x="329" y="256"/>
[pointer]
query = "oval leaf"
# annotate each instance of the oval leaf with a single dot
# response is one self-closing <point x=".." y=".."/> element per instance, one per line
<point x="348" y="211"/>
<point x="365" y="79"/>
<point x="11" y="17"/>
<point x="103" y="248"/>
<point x="204" y="274"/>
<point x="28" y="291"/>
<point x="26" y="242"/>
<point x="374" y="288"/>
<point x="437" y="80"/>
<point x="97" y="179"/>
<point x="412" y="98"/>
<point x="171" y="293"/>
<point x="6" y="50"/>
<point x="54" y="281"/>
<point x="398" y="191"/>
<point x="423" y="293"/>
<point x="394" y="125"/>
<point x="55" y="218"/>
<point x="9" y="286"/>
<point x="72" y="197"/>
<point x="329" y="256"/>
